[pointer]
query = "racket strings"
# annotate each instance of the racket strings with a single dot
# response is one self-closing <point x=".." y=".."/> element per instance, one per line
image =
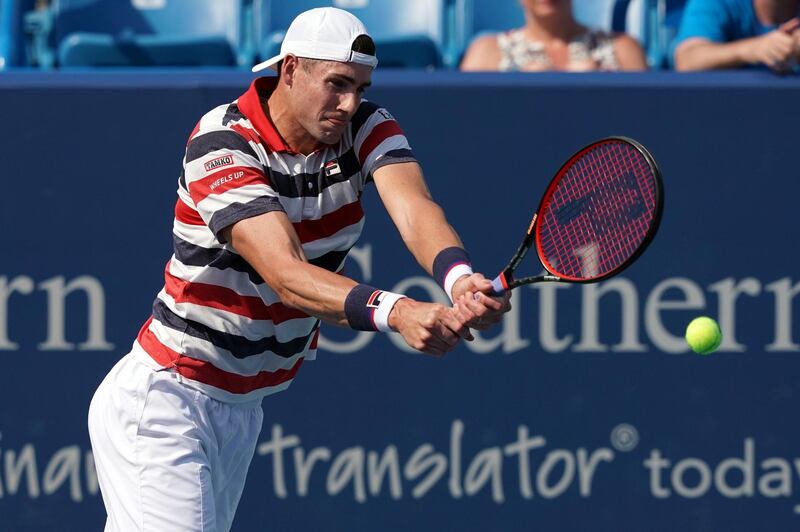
<point x="599" y="213"/>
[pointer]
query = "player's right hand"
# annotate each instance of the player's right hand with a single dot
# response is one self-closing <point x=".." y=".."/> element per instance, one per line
<point x="473" y="304"/>
<point x="428" y="327"/>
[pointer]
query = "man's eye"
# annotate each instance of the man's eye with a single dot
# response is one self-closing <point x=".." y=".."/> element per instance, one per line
<point x="339" y="84"/>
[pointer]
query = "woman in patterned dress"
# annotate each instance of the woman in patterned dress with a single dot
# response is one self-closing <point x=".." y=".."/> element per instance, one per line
<point x="553" y="40"/>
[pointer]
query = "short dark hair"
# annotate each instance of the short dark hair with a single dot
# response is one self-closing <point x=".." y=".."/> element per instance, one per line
<point x="364" y="44"/>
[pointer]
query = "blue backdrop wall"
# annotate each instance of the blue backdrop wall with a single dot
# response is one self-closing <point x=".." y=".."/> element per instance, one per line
<point x="582" y="412"/>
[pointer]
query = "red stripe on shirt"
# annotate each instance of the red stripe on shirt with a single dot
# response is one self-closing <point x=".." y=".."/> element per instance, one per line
<point x="249" y="134"/>
<point x="207" y="373"/>
<point x="225" y="180"/>
<point x="187" y="215"/>
<point x="163" y="355"/>
<point x="219" y="297"/>
<point x="311" y="230"/>
<point x="379" y="133"/>
<point x="193" y="133"/>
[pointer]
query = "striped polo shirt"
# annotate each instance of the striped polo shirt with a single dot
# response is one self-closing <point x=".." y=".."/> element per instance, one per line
<point x="216" y="322"/>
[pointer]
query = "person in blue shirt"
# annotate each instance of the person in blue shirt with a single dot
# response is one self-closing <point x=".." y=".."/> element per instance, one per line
<point x="726" y="34"/>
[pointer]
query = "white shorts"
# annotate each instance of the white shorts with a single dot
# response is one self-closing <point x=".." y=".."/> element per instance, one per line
<point x="168" y="457"/>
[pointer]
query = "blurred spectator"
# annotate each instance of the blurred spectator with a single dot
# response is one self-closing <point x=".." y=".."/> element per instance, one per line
<point x="737" y="33"/>
<point x="553" y="40"/>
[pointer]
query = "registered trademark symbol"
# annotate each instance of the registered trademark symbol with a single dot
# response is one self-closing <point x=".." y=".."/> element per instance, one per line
<point x="624" y="437"/>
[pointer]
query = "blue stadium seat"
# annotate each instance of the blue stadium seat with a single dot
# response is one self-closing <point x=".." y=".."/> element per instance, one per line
<point x="92" y="33"/>
<point x="6" y="41"/>
<point x="637" y="19"/>
<point x="670" y="13"/>
<point x="490" y="16"/>
<point x="654" y="22"/>
<point x="12" y="49"/>
<point x="608" y="14"/>
<point x="407" y="33"/>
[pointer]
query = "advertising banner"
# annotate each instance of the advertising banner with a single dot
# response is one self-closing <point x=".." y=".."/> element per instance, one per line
<point x="582" y="411"/>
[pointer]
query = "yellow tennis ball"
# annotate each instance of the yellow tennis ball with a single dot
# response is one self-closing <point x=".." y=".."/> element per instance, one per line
<point x="703" y="335"/>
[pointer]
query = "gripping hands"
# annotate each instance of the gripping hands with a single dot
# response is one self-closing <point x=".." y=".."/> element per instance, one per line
<point x="436" y="329"/>
<point x="428" y="327"/>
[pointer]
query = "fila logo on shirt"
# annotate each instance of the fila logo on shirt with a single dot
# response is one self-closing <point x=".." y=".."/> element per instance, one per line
<point x="332" y="168"/>
<point x="375" y="299"/>
<point x="219" y="162"/>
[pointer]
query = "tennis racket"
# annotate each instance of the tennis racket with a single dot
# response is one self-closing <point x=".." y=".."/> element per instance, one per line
<point x="597" y="216"/>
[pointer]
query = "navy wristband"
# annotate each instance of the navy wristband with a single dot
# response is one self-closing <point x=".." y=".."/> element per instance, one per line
<point x="367" y="308"/>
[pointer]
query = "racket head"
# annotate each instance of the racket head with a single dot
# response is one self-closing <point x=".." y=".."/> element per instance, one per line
<point x="600" y="211"/>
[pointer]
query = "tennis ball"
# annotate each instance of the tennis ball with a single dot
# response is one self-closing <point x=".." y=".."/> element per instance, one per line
<point x="703" y="335"/>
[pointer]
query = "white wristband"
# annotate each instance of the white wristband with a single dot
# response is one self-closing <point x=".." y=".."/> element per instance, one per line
<point x="452" y="276"/>
<point x="385" y="304"/>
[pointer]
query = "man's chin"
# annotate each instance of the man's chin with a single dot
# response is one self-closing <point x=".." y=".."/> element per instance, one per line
<point x="330" y="137"/>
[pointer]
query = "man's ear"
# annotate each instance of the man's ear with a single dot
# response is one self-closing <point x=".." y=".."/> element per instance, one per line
<point x="289" y="67"/>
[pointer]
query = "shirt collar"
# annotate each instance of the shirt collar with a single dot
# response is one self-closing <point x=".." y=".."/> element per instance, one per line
<point x="250" y="105"/>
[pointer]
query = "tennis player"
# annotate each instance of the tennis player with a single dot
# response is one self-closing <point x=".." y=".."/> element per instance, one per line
<point x="268" y="207"/>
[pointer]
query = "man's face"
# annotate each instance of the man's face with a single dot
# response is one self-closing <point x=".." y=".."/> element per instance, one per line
<point x="544" y="8"/>
<point x="325" y="96"/>
<point x="780" y="3"/>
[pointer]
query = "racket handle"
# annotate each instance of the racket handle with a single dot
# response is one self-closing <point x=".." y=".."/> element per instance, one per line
<point x="497" y="286"/>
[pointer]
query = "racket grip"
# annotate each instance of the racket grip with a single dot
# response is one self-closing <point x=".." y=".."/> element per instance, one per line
<point x="497" y="286"/>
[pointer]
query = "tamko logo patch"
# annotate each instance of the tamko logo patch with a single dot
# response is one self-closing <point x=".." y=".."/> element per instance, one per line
<point x="219" y="162"/>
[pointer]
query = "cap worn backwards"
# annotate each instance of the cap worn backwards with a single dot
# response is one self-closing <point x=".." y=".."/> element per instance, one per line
<point x="325" y="33"/>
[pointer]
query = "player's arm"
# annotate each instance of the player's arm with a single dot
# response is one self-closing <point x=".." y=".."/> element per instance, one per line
<point x="269" y="243"/>
<point x="271" y="246"/>
<point x="420" y="221"/>
<point x="427" y="234"/>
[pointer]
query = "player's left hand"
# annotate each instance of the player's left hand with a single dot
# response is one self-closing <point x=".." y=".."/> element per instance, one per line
<point x="474" y="306"/>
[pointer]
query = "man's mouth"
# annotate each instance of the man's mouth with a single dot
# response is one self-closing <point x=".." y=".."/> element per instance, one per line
<point x="339" y="122"/>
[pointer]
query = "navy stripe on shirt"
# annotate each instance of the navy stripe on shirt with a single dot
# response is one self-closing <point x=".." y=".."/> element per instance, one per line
<point x="232" y="114"/>
<point x="222" y="259"/>
<point x="236" y="211"/>
<point x="392" y="157"/>
<point x="297" y="185"/>
<point x="239" y="346"/>
<point x="365" y="110"/>
<point x="204" y="144"/>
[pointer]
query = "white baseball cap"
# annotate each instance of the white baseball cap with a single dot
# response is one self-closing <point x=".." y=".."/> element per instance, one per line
<point x="323" y="33"/>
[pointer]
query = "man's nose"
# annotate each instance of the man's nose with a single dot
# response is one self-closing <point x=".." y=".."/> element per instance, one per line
<point x="349" y="103"/>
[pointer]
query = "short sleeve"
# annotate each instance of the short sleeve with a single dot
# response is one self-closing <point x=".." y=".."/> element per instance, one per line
<point x="225" y="179"/>
<point x="706" y="19"/>
<point x="378" y="139"/>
